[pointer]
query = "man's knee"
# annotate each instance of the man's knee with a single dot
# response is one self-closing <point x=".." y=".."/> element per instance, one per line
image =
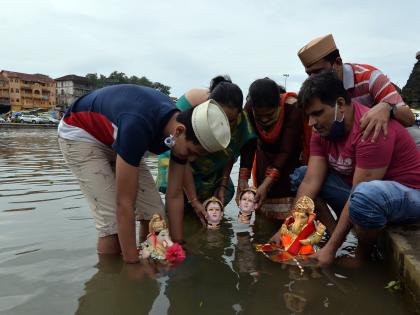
<point x="366" y="205"/>
<point x="297" y="177"/>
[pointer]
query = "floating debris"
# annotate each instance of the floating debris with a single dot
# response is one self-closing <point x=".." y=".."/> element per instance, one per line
<point x="19" y="209"/>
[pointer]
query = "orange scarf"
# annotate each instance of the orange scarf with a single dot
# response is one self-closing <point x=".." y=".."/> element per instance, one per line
<point x="272" y="135"/>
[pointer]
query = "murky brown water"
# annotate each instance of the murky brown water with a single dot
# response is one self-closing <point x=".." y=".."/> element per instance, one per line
<point x="48" y="263"/>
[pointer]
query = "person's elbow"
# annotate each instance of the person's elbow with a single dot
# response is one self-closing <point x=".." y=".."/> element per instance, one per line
<point x="124" y="209"/>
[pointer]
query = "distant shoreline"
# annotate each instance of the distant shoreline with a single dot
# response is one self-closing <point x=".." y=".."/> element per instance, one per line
<point x="23" y="125"/>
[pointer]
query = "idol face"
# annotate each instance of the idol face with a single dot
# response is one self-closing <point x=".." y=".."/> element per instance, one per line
<point x="214" y="212"/>
<point x="247" y="202"/>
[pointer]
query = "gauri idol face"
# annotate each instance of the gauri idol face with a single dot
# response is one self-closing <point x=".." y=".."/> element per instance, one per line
<point x="247" y="202"/>
<point x="214" y="212"/>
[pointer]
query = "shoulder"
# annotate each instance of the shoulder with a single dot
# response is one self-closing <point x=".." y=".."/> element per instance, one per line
<point x="197" y="96"/>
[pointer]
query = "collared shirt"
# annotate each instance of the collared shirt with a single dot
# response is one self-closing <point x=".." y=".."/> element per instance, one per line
<point x="369" y="86"/>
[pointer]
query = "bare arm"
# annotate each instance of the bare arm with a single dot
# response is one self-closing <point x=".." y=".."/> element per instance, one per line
<point x="326" y="255"/>
<point x="126" y="194"/>
<point x="224" y="182"/>
<point x="404" y="115"/>
<point x="175" y="200"/>
<point x="190" y="191"/>
<point x="197" y="96"/>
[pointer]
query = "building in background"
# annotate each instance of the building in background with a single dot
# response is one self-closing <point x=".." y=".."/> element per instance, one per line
<point x="69" y="88"/>
<point x="4" y="95"/>
<point x="27" y="91"/>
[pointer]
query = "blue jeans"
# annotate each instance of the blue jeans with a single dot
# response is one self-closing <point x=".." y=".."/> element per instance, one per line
<point x="373" y="204"/>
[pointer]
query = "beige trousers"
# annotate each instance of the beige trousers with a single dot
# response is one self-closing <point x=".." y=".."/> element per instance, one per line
<point x="93" y="164"/>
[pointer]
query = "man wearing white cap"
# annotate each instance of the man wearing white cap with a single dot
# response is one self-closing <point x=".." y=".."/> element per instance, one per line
<point x="364" y="83"/>
<point x="104" y="136"/>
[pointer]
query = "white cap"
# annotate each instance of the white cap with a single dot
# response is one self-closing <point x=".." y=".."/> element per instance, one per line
<point x="211" y="126"/>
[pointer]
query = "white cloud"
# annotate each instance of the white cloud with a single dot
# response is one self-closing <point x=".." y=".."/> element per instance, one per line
<point x="185" y="43"/>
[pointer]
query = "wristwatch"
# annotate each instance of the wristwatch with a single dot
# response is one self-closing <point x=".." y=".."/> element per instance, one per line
<point x="392" y="109"/>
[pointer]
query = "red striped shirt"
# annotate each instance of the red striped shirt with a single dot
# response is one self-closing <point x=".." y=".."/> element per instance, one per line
<point x="368" y="85"/>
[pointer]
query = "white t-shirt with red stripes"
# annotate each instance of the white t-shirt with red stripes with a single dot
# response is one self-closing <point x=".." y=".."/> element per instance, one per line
<point x="368" y="85"/>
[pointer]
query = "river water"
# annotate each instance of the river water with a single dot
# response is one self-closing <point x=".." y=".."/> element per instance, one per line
<point x="48" y="263"/>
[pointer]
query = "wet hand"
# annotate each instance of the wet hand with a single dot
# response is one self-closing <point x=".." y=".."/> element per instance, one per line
<point x="262" y="192"/>
<point x="200" y="211"/>
<point x="375" y="120"/>
<point x="324" y="256"/>
<point x="140" y="270"/>
<point x="275" y="239"/>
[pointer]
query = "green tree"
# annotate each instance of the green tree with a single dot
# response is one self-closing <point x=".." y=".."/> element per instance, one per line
<point x="411" y="91"/>
<point x="121" y="78"/>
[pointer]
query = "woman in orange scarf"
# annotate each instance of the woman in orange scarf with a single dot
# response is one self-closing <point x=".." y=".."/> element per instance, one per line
<point x="279" y="148"/>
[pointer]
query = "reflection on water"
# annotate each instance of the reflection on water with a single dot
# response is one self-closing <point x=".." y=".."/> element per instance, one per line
<point x="48" y="263"/>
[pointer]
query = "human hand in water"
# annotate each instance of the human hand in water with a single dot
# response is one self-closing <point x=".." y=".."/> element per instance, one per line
<point x="200" y="211"/>
<point x="325" y="256"/>
<point x="140" y="271"/>
<point x="375" y="120"/>
<point x="275" y="239"/>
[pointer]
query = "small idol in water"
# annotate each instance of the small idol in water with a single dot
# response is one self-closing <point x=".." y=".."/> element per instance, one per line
<point x="214" y="210"/>
<point x="159" y="245"/>
<point x="247" y="205"/>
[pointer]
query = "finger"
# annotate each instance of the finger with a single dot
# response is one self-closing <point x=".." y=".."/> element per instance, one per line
<point x="200" y="216"/>
<point x="376" y="133"/>
<point x="385" y="129"/>
<point x="363" y="122"/>
<point x="368" y="130"/>
<point x="202" y="220"/>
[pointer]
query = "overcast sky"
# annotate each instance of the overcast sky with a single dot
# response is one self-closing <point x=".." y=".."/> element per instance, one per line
<point x="184" y="43"/>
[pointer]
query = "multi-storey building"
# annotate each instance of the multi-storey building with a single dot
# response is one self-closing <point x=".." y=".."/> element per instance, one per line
<point x="4" y="95"/>
<point x="27" y="91"/>
<point x="69" y="88"/>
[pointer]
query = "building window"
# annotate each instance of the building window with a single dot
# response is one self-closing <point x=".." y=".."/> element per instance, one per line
<point x="17" y="90"/>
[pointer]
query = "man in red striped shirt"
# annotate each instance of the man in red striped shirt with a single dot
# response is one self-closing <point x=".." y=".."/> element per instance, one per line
<point x="364" y="83"/>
